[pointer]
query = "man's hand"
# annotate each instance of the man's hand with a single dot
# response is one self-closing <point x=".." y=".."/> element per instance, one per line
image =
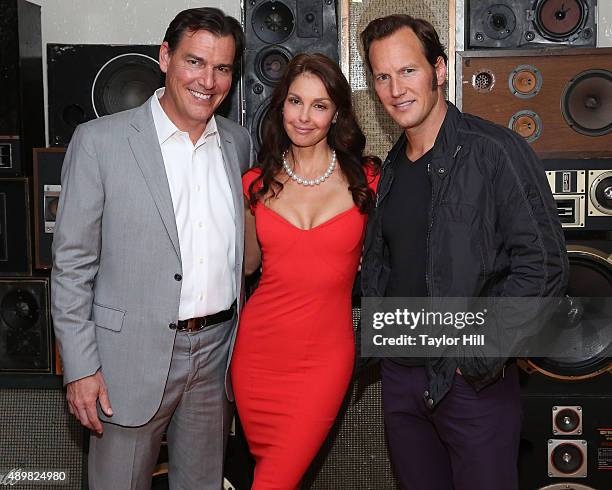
<point x="82" y="395"/>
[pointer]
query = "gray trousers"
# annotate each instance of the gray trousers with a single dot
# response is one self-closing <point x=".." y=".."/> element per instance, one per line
<point x="194" y="413"/>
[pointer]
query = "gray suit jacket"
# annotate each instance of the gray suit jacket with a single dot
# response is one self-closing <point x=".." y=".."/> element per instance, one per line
<point x="115" y="255"/>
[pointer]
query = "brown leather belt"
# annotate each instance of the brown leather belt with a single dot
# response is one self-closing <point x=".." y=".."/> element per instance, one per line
<point x="200" y="323"/>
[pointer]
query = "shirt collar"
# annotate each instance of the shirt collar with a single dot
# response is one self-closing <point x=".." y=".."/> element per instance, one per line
<point x="166" y="128"/>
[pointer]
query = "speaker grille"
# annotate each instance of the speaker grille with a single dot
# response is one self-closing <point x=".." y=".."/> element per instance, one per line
<point x="37" y="433"/>
<point x="380" y="130"/>
<point x="354" y="455"/>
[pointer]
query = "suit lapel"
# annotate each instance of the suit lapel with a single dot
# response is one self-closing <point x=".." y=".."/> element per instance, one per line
<point x="145" y="146"/>
<point x="232" y="168"/>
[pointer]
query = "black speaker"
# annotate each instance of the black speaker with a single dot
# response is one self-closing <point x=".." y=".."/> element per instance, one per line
<point x="38" y="435"/>
<point x="15" y="256"/>
<point x="566" y="436"/>
<point x="21" y="86"/>
<point x="276" y="31"/>
<point x="25" y="326"/>
<point x="86" y="81"/>
<point x="531" y="23"/>
<point x="47" y="185"/>
<point x="355" y="453"/>
<point x="578" y="338"/>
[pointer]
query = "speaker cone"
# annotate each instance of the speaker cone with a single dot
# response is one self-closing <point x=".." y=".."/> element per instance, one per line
<point x="567" y="420"/>
<point x="560" y="19"/>
<point x="20" y="340"/>
<point x="271" y="64"/>
<point x="600" y="192"/>
<point x="259" y="121"/>
<point x="125" y="82"/>
<point x="579" y="335"/>
<point x="500" y="22"/>
<point x="587" y="103"/>
<point x="526" y="123"/>
<point x="19" y="310"/>
<point x="567" y="458"/>
<point x="525" y="81"/>
<point x="273" y="22"/>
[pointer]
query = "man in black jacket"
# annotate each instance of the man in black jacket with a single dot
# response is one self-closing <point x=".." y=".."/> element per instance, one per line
<point x="463" y="209"/>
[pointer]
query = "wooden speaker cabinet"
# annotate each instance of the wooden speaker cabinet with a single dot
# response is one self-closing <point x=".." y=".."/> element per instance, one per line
<point x="559" y="100"/>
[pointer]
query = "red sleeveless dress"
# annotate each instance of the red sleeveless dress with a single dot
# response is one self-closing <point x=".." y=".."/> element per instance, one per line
<point x="294" y="353"/>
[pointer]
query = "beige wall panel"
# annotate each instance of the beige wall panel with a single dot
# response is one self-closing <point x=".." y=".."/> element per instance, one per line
<point x="380" y="130"/>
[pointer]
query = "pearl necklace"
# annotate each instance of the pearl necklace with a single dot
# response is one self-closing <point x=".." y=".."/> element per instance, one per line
<point x="309" y="182"/>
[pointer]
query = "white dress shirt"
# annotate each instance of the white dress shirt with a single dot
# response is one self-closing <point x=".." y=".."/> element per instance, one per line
<point x="204" y="212"/>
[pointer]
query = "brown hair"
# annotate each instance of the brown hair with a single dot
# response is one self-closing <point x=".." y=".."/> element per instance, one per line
<point x="208" y="19"/>
<point x="345" y="136"/>
<point x="385" y="26"/>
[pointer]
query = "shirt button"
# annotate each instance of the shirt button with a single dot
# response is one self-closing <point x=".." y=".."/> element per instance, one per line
<point x="198" y="188"/>
<point x="200" y="224"/>
<point x="178" y="277"/>
<point x="430" y="403"/>
<point x="201" y="261"/>
<point x="426" y="394"/>
<point x="201" y="297"/>
<point x="172" y="326"/>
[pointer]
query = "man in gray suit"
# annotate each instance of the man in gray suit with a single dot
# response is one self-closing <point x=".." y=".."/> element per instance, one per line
<point x="147" y="271"/>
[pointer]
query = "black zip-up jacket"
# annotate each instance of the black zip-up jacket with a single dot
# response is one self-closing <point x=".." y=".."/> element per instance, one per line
<point x="494" y="231"/>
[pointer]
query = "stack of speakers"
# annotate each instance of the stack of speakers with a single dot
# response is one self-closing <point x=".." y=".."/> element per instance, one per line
<point x="25" y="333"/>
<point x="36" y="430"/>
<point x="275" y="32"/>
<point x="544" y="69"/>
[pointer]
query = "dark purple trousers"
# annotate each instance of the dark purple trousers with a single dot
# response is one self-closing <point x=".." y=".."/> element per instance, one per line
<point x="469" y="441"/>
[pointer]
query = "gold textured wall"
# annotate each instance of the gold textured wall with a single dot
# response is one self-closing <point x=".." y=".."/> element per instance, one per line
<point x="381" y="132"/>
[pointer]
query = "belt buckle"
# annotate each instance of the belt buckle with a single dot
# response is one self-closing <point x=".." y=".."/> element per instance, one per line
<point x="196" y="324"/>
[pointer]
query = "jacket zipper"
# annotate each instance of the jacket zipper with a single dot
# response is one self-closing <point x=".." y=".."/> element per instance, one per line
<point x="429" y="268"/>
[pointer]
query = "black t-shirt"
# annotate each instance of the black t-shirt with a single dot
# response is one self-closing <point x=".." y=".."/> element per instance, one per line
<point x="405" y="225"/>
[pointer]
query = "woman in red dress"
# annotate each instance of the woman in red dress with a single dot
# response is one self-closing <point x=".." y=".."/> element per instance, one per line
<point x="307" y="203"/>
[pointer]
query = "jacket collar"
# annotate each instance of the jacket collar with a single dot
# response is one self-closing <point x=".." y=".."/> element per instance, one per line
<point x="446" y="141"/>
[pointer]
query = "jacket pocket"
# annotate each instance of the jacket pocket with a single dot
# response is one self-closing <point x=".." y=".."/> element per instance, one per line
<point x="107" y="317"/>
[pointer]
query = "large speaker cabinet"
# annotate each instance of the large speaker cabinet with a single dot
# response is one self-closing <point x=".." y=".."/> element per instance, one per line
<point x="529" y="23"/>
<point x="92" y="80"/>
<point x="21" y="86"/>
<point x="355" y="454"/>
<point x="566" y="438"/>
<point x="559" y="100"/>
<point x="38" y="434"/>
<point x="275" y="32"/>
<point x="26" y="338"/>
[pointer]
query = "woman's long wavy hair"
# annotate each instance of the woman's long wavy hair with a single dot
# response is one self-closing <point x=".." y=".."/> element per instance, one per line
<point x="345" y="136"/>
